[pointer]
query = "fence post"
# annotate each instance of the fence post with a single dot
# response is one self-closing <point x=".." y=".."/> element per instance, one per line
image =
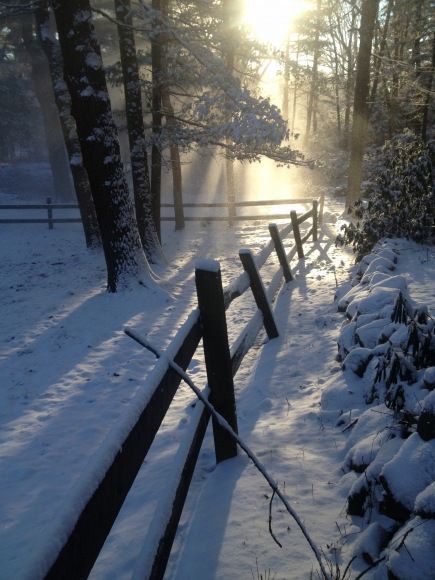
<point x="217" y="354"/>
<point x="231" y="211"/>
<point x="259" y="293"/>
<point x="321" y="206"/>
<point x="50" y="213"/>
<point x="315" y="219"/>
<point x="231" y="192"/>
<point x="279" y="249"/>
<point x="297" y="234"/>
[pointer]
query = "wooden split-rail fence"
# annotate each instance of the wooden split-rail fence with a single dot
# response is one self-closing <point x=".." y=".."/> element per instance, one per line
<point x="87" y="535"/>
<point x="51" y="208"/>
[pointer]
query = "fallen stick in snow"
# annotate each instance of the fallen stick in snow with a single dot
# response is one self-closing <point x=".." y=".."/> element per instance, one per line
<point x="350" y="425"/>
<point x="225" y="425"/>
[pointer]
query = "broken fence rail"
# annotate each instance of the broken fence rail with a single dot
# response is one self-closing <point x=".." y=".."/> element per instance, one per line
<point x="87" y="535"/>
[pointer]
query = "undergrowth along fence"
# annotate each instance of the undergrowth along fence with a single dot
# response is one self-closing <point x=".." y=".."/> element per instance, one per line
<point x="88" y="533"/>
<point x="49" y="207"/>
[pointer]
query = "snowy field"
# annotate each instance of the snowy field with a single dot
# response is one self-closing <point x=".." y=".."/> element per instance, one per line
<point x="71" y="381"/>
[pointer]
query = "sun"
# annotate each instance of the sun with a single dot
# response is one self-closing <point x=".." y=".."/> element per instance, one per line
<point x="270" y="20"/>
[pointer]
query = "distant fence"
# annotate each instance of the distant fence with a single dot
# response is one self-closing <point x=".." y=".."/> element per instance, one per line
<point x="87" y="535"/>
<point x="50" y="208"/>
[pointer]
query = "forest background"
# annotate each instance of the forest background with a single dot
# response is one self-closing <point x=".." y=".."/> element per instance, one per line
<point x="112" y="94"/>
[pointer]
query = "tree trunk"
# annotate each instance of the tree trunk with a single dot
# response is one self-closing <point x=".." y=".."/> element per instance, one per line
<point x="85" y="78"/>
<point x="229" y="10"/>
<point x="136" y="134"/>
<point x="156" y="109"/>
<point x="416" y="48"/>
<point x="53" y="133"/>
<point x="427" y="101"/>
<point x="312" y="100"/>
<point x="360" y="105"/>
<point x="418" y="58"/>
<point x="285" y="93"/>
<point x="336" y="81"/>
<point x="349" y="77"/>
<point x="295" y="92"/>
<point x="380" y="55"/>
<point x="177" y="180"/>
<point x="63" y="102"/>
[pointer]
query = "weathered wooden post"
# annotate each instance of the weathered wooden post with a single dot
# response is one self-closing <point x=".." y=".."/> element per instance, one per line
<point x="259" y="292"/>
<point x="217" y="354"/>
<point x="49" y="213"/>
<point x="315" y="219"/>
<point x="280" y="252"/>
<point x="297" y="234"/>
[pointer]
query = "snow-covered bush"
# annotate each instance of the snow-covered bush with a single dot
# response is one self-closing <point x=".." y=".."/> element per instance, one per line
<point x="386" y="401"/>
<point x="398" y="200"/>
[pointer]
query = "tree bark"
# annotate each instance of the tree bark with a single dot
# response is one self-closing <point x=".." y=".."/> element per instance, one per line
<point x="360" y="104"/>
<point x="136" y="133"/>
<point x="85" y="78"/>
<point x="63" y="102"/>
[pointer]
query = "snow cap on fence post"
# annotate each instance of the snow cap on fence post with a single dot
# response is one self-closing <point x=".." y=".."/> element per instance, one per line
<point x="217" y="354"/>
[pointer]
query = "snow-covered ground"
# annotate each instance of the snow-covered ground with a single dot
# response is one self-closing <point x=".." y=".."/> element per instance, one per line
<point x="71" y="382"/>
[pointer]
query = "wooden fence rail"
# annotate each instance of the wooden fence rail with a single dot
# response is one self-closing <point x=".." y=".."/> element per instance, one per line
<point x="86" y="537"/>
<point x="50" y="207"/>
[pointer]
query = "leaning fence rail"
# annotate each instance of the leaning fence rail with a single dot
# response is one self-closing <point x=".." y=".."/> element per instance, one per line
<point x="51" y="207"/>
<point x="87" y="534"/>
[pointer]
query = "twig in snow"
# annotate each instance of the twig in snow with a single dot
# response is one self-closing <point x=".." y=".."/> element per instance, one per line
<point x="240" y="442"/>
<point x="375" y="563"/>
<point x="270" y="521"/>
<point x="349" y="564"/>
<point x="350" y="425"/>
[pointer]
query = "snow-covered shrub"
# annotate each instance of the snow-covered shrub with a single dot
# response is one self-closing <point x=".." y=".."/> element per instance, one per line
<point x="398" y="200"/>
<point x="387" y="394"/>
